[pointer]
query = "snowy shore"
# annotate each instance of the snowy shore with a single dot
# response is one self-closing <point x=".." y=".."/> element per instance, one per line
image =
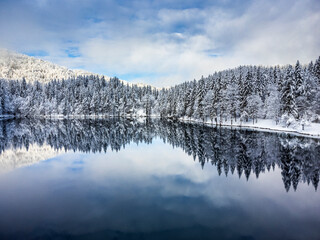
<point x="266" y="125"/>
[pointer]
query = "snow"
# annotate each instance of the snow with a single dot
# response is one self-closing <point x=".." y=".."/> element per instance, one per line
<point x="140" y="113"/>
<point x="267" y="125"/>
<point x="14" y="66"/>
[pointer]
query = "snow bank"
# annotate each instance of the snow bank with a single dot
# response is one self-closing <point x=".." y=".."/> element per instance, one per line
<point x="267" y="125"/>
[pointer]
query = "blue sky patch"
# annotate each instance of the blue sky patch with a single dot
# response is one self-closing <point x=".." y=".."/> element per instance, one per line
<point x="37" y="53"/>
<point x="73" y="52"/>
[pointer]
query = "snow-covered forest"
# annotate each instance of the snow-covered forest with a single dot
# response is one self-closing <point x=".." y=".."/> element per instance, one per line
<point x="242" y="152"/>
<point x="15" y="66"/>
<point x="286" y="94"/>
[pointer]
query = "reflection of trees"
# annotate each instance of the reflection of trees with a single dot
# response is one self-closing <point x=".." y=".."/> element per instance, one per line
<point x="241" y="152"/>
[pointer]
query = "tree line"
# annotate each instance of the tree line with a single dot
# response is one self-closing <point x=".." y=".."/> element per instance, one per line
<point x="284" y="94"/>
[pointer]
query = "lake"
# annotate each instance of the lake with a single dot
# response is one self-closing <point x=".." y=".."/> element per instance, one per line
<point x="155" y="179"/>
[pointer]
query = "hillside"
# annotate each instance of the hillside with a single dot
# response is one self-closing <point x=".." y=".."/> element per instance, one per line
<point x="15" y="66"/>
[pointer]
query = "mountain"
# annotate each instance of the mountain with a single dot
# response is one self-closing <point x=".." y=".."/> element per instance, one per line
<point x="15" y="66"/>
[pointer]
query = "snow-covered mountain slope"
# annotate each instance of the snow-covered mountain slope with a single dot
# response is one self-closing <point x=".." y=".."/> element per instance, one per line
<point x="15" y="66"/>
<point x="16" y="158"/>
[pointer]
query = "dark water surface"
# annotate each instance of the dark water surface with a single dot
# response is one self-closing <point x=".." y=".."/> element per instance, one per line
<point x="121" y="179"/>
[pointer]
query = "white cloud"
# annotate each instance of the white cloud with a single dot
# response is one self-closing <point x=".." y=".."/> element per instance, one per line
<point x="157" y="55"/>
<point x="168" y="46"/>
<point x="267" y="33"/>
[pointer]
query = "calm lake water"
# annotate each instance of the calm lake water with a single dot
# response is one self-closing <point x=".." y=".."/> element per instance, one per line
<point x="152" y="179"/>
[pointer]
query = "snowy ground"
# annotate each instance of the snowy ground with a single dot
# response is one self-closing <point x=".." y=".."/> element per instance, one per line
<point x="312" y="130"/>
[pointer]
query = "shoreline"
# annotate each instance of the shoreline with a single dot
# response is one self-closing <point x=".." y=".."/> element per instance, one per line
<point x="256" y="127"/>
<point x="263" y="125"/>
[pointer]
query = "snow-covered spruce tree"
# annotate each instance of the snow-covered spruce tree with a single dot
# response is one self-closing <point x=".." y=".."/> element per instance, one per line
<point x="208" y="100"/>
<point x="232" y="98"/>
<point x="312" y="91"/>
<point x="190" y="99"/>
<point x="217" y="105"/>
<point x="316" y="69"/>
<point x="2" y="108"/>
<point x="272" y="104"/>
<point x="289" y="109"/>
<point x="225" y="79"/>
<point x="161" y="103"/>
<point x="259" y="82"/>
<point x="181" y="111"/>
<point x="199" y="109"/>
<point x="170" y="104"/>
<point x="299" y="91"/>
<point x="254" y="107"/>
<point x="148" y="101"/>
<point x="246" y="89"/>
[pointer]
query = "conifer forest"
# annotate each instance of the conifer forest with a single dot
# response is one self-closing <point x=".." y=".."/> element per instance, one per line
<point x="287" y="95"/>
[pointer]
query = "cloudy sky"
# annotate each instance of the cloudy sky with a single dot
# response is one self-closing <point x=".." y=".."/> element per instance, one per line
<point x="162" y="42"/>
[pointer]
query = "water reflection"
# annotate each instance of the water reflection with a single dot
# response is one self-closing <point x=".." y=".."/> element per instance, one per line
<point x="231" y="151"/>
<point x="139" y="190"/>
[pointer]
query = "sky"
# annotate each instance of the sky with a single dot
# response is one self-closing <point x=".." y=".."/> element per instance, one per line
<point x="162" y="42"/>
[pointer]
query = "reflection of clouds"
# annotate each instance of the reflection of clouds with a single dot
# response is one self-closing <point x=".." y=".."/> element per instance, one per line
<point x="182" y="184"/>
<point x="153" y="188"/>
<point x="142" y="161"/>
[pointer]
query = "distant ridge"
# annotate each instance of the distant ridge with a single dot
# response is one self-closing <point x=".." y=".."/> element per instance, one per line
<point x="15" y="66"/>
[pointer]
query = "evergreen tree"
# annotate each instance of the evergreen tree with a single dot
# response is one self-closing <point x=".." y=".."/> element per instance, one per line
<point x="232" y="98"/>
<point x="288" y="101"/>
<point x="199" y="102"/>
<point x="273" y="103"/>
<point x="246" y="89"/>
<point x="316" y="69"/>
